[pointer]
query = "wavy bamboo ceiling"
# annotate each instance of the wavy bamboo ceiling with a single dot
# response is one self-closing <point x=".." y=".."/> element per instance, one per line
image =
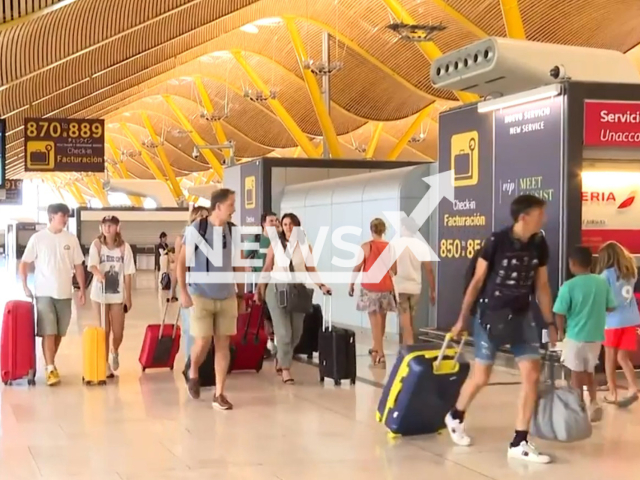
<point x="120" y="59"/>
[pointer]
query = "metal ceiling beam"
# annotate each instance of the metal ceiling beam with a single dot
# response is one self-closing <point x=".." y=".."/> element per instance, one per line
<point x="208" y="105"/>
<point x="164" y="159"/>
<point x="430" y="49"/>
<point x="145" y="155"/>
<point x="373" y="143"/>
<point x="289" y="123"/>
<point x="404" y="140"/>
<point x="326" y="124"/>
<point x="461" y="19"/>
<point x="512" y="19"/>
<point x="195" y="136"/>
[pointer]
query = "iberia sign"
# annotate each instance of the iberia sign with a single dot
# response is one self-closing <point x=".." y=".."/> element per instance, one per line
<point x="611" y="124"/>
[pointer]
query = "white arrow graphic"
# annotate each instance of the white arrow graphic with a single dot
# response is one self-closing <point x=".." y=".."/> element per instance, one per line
<point x="440" y="186"/>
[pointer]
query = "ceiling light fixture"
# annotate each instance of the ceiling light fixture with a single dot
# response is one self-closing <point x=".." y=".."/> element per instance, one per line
<point x="416" y="33"/>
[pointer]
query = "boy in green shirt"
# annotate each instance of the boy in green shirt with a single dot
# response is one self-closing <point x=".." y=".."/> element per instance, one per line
<point x="583" y="303"/>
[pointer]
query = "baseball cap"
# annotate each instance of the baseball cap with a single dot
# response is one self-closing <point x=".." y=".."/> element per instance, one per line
<point x="112" y="219"/>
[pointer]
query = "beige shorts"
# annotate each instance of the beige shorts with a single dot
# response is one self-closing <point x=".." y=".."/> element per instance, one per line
<point x="580" y="356"/>
<point x="53" y="316"/>
<point x="408" y="303"/>
<point x="213" y="317"/>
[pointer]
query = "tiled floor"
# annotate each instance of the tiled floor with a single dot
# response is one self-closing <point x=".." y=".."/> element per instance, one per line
<point x="143" y="426"/>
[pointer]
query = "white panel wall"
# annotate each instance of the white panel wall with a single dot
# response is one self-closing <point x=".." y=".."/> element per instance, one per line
<point x="352" y="200"/>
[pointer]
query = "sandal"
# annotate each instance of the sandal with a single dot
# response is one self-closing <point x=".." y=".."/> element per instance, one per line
<point x="608" y="401"/>
<point x="628" y="401"/>
<point x="278" y="369"/>
<point x="289" y="381"/>
<point x="377" y="358"/>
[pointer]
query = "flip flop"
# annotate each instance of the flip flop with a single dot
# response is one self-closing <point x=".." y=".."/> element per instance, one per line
<point x="288" y="381"/>
<point x="608" y="401"/>
<point x="628" y="401"/>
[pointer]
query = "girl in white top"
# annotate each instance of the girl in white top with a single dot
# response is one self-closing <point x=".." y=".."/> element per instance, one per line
<point x="287" y="326"/>
<point x="112" y="265"/>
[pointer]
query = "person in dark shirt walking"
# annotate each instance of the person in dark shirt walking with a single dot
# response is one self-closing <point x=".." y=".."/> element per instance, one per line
<point x="512" y="266"/>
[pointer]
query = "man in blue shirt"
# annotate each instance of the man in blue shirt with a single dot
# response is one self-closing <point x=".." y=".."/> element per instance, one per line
<point x="214" y="299"/>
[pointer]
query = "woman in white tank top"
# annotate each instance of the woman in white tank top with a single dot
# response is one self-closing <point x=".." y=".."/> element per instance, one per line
<point x="287" y="326"/>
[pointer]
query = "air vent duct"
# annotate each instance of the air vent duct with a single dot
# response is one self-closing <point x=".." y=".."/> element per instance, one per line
<point x="497" y="66"/>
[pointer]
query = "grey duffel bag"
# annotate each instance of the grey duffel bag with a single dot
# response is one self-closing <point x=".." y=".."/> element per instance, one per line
<point x="560" y="413"/>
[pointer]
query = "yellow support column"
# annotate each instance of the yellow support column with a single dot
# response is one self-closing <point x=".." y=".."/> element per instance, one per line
<point x="326" y="124"/>
<point x="430" y="49"/>
<point x="122" y="168"/>
<point x="424" y="114"/>
<point x="208" y="105"/>
<point x="512" y="19"/>
<point x="373" y="143"/>
<point x="96" y="187"/>
<point x="145" y="155"/>
<point x="75" y="192"/>
<point x="294" y="130"/>
<point x="195" y="136"/>
<point x="173" y="181"/>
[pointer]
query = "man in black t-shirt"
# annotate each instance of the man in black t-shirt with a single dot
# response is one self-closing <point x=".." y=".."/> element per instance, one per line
<point x="512" y="266"/>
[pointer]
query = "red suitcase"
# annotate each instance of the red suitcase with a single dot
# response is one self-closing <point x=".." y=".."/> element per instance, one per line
<point x="18" y="342"/>
<point x="161" y="343"/>
<point x="250" y="342"/>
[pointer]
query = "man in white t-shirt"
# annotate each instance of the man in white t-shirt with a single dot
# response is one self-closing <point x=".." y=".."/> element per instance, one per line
<point x="408" y="280"/>
<point x="56" y="254"/>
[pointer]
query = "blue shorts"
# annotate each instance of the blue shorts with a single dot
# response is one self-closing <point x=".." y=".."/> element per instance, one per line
<point x="527" y="349"/>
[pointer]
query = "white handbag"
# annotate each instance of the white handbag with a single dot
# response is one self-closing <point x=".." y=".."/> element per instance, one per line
<point x="560" y="413"/>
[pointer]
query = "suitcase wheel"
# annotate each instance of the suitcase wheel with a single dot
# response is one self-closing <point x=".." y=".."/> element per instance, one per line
<point x="31" y="382"/>
<point x="321" y="379"/>
<point x="337" y="383"/>
<point x="144" y="369"/>
<point x="310" y="356"/>
<point x="353" y="381"/>
<point x="171" y="368"/>
<point x="260" y="365"/>
<point x="8" y="383"/>
<point x="102" y="382"/>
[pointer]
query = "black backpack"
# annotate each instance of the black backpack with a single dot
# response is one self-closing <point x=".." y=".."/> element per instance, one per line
<point x="496" y="237"/>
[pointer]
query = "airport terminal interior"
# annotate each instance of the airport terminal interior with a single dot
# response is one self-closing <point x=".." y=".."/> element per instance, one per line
<point x="340" y="112"/>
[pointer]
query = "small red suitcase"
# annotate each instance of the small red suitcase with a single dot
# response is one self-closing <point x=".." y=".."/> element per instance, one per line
<point x="161" y="343"/>
<point x="250" y="342"/>
<point x="18" y="342"/>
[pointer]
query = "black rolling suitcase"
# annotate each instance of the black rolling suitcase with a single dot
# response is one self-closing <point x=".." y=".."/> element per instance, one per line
<point x="206" y="372"/>
<point x="336" y="350"/>
<point x="308" y="344"/>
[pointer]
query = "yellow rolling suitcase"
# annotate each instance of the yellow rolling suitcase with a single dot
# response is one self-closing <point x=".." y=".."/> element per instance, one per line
<point x="94" y="355"/>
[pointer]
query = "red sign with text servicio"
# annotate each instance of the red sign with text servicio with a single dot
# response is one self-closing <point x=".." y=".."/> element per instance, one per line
<point x="611" y="124"/>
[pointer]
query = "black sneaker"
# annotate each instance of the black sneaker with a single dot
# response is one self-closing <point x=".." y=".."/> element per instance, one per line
<point x="222" y="403"/>
<point x="193" y="387"/>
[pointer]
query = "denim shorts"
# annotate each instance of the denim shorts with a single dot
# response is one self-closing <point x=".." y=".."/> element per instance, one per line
<point x="527" y="349"/>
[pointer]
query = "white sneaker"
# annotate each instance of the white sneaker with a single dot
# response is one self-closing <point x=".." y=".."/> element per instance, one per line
<point x="528" y="453"/>
<point x="456" y="431"/>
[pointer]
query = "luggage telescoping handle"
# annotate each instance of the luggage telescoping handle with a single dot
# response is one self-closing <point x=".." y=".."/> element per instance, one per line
<point x="164" y="318"/>
<point x="447" y="340"/>
<point x="327" y="317"/>
<point x="103" y="305"/>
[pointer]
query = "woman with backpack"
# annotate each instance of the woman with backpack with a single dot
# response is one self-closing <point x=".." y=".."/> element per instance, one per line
<point x="112" y="265"/>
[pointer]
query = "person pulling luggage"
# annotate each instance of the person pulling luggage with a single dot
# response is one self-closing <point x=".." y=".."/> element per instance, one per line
<point x="287" y="319"/>
<point x="111" y="262"/>
<point x="511" y="266"/>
